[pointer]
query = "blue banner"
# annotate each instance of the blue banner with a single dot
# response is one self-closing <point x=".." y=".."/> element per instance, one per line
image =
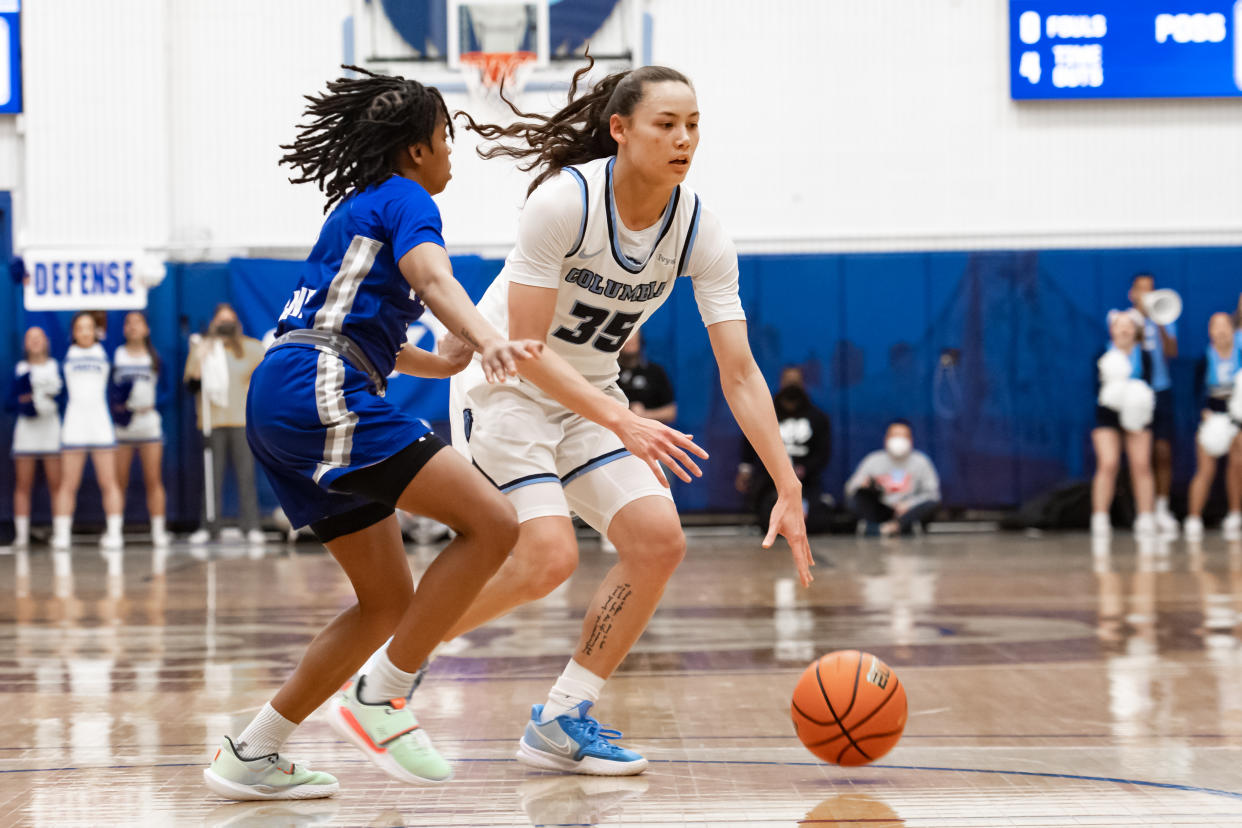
<point x="10" y="56"/>
<point x="1124" y="48"/>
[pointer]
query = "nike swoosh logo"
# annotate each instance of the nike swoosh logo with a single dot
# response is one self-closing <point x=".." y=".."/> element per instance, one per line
<point x="562" y="748"/>
<point x="585" y="255"/>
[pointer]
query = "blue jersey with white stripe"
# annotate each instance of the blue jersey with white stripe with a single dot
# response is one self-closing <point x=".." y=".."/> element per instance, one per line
<point x="352" y="284"/>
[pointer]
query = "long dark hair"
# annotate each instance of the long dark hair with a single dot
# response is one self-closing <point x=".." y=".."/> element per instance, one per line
<point x="156" y="363"/>
<point x="357" y="128"/>
<point x="580" y="131"/>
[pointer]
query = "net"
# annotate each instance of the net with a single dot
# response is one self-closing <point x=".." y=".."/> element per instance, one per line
<point x="486" y="72"/>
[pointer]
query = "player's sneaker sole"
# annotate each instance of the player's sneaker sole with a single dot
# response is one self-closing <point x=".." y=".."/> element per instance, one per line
<point x="589" y="765"/>
<point x="237" y="791"/>
<point x="349" y="729"/>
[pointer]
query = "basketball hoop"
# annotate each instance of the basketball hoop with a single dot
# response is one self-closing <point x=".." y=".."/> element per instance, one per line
<point x="488" y="71"/>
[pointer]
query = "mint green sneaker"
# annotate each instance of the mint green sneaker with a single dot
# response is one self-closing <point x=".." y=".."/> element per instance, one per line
<point x="389" y="735"/>
<point x="268" y="777"/>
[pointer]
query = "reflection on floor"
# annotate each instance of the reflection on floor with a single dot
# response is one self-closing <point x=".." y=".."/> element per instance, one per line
<point x="1051" y="683"/>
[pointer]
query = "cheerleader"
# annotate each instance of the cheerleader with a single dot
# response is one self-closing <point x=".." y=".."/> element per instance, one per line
<point x="1218" y="434"/>
<point x="135" y="377"/>
<point x="37" y="433"/>
<point x="87" y="429"/>
<point x="1123" y="414"/>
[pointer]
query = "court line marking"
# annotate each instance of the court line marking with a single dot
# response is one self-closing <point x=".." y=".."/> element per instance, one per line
<point x="1120" y="741"/>
<point x="1172" y="786"/>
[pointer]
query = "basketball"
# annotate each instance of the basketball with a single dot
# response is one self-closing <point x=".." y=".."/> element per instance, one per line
<point x="849" y="708"/>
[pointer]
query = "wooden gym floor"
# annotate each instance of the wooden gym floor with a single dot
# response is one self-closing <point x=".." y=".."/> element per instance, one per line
<point x="1050" y="684"/>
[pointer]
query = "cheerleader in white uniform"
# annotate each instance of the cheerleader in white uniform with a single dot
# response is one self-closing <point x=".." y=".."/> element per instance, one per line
<point x="139" y="427"/>
<point x="1123" y="417"/>
<point x="87" y="429"/>
<point x="37" y="433"/>
<point x="1217" y="436"/>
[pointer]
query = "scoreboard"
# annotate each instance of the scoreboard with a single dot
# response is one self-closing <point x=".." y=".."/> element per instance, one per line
<point x="1125" y="49"/>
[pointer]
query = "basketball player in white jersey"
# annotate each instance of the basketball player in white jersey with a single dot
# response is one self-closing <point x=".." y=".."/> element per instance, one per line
<point x="36" y="435"/>
<point x="87" y="430"/>
<point x="608" y="228"/>
<point x="139" y="427"/>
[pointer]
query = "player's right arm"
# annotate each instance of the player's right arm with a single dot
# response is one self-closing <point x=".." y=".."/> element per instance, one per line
<point x="428" y="271"/>
<point x="530" y="316"/>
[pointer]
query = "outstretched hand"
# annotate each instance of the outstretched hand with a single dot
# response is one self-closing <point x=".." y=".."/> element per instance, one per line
<point x="654" y="443"/>
<point x="787" y="520"/>
<point x="501" y="357"/>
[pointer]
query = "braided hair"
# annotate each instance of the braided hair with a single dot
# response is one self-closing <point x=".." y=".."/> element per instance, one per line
<point x="580" y="131"/>
<point x="358" y="126"/>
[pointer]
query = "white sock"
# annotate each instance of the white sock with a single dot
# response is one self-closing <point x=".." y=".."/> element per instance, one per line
<point x="576" y="685"/>
<point x="62" y="526"/>
<point x="266" y="734"/>
<point x="1162" y="505"/>
<point x="385" y="681"/>
<point x="21" y="525"/>
<point x="115" y="522"/>
<point x="157" y="525"/>
<point x="1234" y="515"/>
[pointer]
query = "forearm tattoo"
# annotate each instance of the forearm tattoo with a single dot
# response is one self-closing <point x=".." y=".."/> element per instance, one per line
<point x="604" y="619"/>
<point x="465" y="334"/>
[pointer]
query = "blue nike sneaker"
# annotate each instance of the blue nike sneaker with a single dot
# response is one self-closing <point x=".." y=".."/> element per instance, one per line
<point x="576" y="743"/>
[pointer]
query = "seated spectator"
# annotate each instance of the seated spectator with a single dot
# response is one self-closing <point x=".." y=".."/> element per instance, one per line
<point x="807" y="433"/>
<point x="896" y="488"/>
<point x="644" y="383"/>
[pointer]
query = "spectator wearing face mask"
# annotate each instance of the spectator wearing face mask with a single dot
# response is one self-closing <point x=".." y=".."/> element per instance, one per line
<point x="807" y="434"/>
<point x="894" y="489"/>
<point x="219" y="366"/>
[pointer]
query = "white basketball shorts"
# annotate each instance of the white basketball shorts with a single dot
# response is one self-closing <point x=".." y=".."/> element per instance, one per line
<point x="544" y="457"/>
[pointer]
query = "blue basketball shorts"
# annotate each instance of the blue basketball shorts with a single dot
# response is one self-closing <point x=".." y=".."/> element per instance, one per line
<point x="311" y="419"/>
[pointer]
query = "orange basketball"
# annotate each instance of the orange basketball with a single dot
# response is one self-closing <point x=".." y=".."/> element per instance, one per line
<point x="849" y="708"/>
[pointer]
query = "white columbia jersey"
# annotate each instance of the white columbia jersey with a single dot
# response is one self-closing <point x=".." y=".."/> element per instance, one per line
<point x="608" y="278"/>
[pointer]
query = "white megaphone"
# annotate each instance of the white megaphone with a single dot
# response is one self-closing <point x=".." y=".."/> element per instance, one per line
<point x="1162" y="306"/>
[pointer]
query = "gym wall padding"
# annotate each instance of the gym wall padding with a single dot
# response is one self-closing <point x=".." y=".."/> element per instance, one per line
<point x="990" y="355"/>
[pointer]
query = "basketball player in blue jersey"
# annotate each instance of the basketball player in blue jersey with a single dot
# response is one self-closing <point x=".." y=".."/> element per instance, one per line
<point x="340" y="457"/>
<point x="608" y="228"/>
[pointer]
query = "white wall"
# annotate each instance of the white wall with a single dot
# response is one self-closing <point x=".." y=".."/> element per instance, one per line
<point x="239" y="72"/>
<point x="158" y="122"/>
<point x="888" y="124"/>
<point x="828" y="125"/>
<point x="95" y="147"/>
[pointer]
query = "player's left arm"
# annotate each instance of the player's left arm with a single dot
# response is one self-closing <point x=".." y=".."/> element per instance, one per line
<point x="416" y="362"/>
<point x="712" y="268"/>
<point x="751" y="403"/>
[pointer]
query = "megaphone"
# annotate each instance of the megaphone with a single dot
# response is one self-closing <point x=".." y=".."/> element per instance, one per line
<point x="1162" y="306"/>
